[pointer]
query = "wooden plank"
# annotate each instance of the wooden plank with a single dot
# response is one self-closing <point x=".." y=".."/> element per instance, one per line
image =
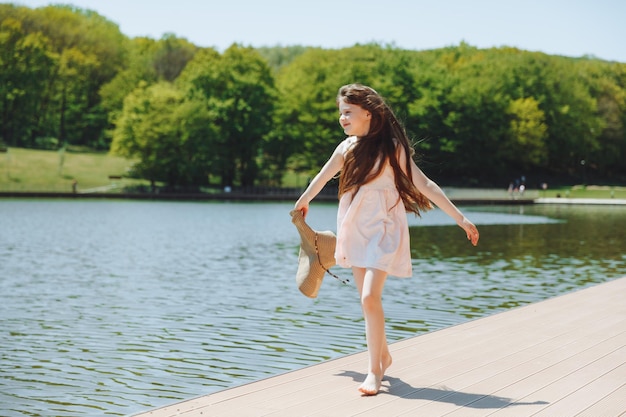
<point x="562" y="356"/>
<point x="528" y="381"/>
<point x="614" y="404"/>
<point x="574" y="393"/>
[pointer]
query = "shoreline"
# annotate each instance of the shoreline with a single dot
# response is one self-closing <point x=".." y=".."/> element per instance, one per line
<point x="235" y="196"/>
<point x="280" y="197"/>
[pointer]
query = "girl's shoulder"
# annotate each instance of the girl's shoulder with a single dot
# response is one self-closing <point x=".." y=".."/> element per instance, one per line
<point x="347" y="144"/>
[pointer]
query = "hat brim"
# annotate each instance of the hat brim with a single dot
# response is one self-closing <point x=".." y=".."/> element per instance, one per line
<point x="310" y="274"/>
<point x="317" y="255"/>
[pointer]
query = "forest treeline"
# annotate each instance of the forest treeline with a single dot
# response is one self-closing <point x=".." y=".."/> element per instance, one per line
<point x="194" y="116"/>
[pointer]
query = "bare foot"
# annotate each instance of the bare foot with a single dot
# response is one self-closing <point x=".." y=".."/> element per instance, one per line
<point x="371" y="385"/>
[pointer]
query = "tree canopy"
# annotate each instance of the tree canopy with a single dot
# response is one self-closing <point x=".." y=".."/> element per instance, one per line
<point x="194" y="116"/>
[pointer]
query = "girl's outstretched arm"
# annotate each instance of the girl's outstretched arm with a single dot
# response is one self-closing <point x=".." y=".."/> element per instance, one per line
<point x="433" y="192"/>
<point x="328" y="171"/>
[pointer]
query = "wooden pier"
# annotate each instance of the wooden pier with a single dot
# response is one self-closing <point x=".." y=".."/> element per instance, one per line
<point x="562" y="357"/>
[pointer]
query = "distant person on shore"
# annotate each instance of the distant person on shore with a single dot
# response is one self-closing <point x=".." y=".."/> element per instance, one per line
<point x="379" y="183"/>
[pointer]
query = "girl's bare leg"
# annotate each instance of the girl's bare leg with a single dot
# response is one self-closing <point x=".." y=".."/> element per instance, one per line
<point x="370" y="283"/>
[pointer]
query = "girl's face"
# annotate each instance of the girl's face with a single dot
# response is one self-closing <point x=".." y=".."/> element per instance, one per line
<point x="354" y="119"/>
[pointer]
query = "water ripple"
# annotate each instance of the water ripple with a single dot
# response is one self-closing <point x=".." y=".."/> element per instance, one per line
<point x="112" y="307"/>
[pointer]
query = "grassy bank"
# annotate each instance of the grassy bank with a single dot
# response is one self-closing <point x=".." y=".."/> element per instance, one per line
<point x="590" y="191"/>
<point x="29" y="170"/>
<point x="25" y="170"/>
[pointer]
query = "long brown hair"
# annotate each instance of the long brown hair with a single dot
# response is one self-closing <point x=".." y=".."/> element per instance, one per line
<point x="366" y="159"/>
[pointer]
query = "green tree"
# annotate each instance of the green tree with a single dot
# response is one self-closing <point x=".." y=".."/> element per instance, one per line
<point x="607" y="84"/>
<point x="98" y="53"/>
<point x="307" y="118"/>
<point x="72" y="95"/>
<point x="239" y="87"/>
<point x="475" y="105"/>
<point x="525" y="146"/>
<point x="560" y="87"/>
<point x="434" y="81"/>
<point x="170" y="134"/>
<point x="171" y="56"/>
<point x="149" y="61"/>
<point x="27" y="65"/>
<point x="90" y="50"/>
<point x="139" y="69"/>
<point x="305" y="111"/>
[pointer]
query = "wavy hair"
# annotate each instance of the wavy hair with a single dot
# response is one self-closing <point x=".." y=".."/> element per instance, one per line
<point x="366" y="159"/>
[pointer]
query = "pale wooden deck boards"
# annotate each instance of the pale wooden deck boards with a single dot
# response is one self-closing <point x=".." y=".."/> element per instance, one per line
<point x="562" y="357"/>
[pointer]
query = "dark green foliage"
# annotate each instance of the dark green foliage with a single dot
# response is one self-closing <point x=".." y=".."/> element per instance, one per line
<point x="56" y="59"/>
<point x="238" y="86"/>
<point x="193" y="116"/>
<point x="169" y="134"/>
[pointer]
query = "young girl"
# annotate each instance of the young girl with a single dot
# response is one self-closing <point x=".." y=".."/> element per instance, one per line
<point x="379" y="183"/>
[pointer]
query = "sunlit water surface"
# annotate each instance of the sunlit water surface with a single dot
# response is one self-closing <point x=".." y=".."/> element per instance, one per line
<point x="114" y="307"/>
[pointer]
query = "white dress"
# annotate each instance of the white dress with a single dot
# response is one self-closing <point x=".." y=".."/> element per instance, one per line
<point x="372" y="226"/>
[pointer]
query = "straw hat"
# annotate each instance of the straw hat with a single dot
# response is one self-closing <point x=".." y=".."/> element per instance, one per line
<point x="317" y="255"/>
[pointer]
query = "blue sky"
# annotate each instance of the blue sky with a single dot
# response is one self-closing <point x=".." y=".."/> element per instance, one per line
<point x="562" y="27"/>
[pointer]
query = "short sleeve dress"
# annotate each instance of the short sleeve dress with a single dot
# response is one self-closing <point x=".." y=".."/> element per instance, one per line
<point x="372" y="226"/>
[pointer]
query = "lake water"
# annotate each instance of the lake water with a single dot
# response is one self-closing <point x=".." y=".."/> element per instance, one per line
<point x="114" y="307"/>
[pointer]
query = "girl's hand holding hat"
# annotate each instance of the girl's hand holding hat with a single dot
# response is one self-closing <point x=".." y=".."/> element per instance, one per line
<point x="302" y="207"/>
